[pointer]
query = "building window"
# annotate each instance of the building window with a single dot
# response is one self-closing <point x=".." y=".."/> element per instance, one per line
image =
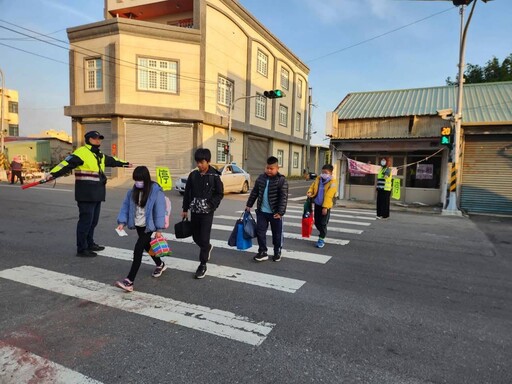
<point x="299" y="88"/>
<point x="283" y="115"/>
<point x="14" y="130"/>
<point x="261" y="106"/>
<point x="285" y="78"/>
<point x="295" y="159"/>
<point x="13" y="107"/>
<point x="157" y="75"/>
<point x="362" y="178"/>
<point x="280" y="157"/>
<point x="426" y="174"/>
<point x="298" y="119"/>
<point x="221" y="156"/>
<point x="262" y="63"/>
<point x="94" y="75"/>
<point x="225" y="91"/>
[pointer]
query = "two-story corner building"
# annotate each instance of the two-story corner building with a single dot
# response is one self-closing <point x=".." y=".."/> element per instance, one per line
<point x="10" y="112"/>
<point x="157" y="78"/>
<point x="404" y="126"/>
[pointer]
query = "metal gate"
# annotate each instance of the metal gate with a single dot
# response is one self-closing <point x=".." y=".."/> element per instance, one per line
<point x="257" y="153"/>
<point x="487" y="174"/>
<point x="160" y="145"/>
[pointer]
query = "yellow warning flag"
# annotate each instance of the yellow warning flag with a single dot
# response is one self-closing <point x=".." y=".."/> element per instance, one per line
<point x="163" y="177"/>
<point x="395" y="193"/>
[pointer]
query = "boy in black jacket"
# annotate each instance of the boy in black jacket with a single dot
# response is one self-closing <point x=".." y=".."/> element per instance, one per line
<point x="271" y="190"/>
<point x="203" y="192"/>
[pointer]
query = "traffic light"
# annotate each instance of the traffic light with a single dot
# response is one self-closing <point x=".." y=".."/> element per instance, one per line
<point x="274" y="94"/>
<point x="446" y="136"/>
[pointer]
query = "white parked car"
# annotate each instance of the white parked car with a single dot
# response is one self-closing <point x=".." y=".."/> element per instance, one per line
<point x="234" y="178"/>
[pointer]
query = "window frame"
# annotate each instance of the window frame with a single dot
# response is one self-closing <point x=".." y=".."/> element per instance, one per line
<point x="283" y="112"/>
<point x="145" y="74"/>
<point x="13" y="107"/>
<point x="285" y="78"/>
<point x="220" y="151"/>
<point x="299" y="88"/>
<point x="96" y="71"/>
<point x="280" y="157"/>
<point x="262" y="65"/>
<point x="295" y="160"/>
<point x="298" y="122"/>
<point x="260" y="104"/>
<point x="226" y="96"/>
<point x="13" y="130"/>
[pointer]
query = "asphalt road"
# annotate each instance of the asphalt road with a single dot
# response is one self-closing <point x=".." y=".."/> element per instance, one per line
<point x="415" y="299"/>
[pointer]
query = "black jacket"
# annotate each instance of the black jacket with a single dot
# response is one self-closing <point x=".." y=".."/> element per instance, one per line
<point x="208" y="186"/>
<point x="277" y="192"/>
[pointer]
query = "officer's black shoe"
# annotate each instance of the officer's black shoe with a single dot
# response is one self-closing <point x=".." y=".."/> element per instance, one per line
<point x="96" y="248"/>
<point x="86" y="253"/>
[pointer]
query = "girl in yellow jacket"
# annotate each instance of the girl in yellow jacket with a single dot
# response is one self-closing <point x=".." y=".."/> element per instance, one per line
<point x="323" y="191"/>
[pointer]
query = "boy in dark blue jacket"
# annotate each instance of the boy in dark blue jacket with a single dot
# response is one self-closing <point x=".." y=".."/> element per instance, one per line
<point x="271" y="190"/>
<point x="203" y="193"/>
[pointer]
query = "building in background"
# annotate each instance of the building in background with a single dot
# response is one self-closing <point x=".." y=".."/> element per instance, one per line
<point x="10" y="113"/>
<point x="156" y="78"/>
<point x="404" y="126"/>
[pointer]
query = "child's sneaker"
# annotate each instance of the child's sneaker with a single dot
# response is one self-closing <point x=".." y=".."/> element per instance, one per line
<point x="276" y="257"/>
<point x="261" y="256"/>
<point x="320" y="243"/>
<point x="126" y="284"/>
<point x="158" y="270"/>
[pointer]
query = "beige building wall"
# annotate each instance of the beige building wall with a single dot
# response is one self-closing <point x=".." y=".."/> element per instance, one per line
<point x="12" y="96"/>
<point x="296" y="171"/>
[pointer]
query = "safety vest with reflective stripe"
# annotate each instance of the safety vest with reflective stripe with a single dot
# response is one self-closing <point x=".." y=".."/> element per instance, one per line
<point x="384" y="179"/>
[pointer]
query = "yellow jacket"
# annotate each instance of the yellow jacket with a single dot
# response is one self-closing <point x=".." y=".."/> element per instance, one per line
<point x="330" y="190"/>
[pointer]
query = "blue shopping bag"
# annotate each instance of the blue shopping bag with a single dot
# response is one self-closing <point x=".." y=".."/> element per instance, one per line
<point x="241" y="242"/>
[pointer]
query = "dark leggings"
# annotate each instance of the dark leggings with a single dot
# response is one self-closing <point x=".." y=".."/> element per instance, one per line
<point x="141" y="245"/>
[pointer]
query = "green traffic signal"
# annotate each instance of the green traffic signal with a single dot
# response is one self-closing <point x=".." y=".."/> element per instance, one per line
<point x="274" y="94"/>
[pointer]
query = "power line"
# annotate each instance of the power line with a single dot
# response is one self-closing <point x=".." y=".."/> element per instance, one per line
<point x="379" y="36"/>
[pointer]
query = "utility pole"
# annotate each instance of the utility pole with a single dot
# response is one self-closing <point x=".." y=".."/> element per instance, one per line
<point x="308" y="146"/>
<point x="2" y="113"/>
<point x="453" y="208"/>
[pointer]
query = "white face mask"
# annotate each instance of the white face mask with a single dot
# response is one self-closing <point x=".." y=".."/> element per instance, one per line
<point x="383" y="162"/>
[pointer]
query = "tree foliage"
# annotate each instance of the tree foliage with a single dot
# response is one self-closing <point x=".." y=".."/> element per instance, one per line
<point x="493" y="71"/>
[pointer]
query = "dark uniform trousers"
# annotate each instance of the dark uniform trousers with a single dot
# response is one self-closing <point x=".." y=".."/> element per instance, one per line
<point x="89" y="214"/>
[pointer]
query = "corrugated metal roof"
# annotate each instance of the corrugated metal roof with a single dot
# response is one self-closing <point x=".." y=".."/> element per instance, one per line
<point x="486" y="102"/>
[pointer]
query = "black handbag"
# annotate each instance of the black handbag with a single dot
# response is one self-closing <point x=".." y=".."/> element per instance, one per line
<point x="183" y="229"/>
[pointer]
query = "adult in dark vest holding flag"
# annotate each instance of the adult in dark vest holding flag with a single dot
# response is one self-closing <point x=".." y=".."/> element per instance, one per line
<point x="90" y="188"/>
<point x="383" y="189"/>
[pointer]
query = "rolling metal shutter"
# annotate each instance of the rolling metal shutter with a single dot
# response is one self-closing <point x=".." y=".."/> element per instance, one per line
<point x="106" y="145"/>
<point x="160" y="145"/>
<point x="487" y="174"/>
<point x="257" y="153"/>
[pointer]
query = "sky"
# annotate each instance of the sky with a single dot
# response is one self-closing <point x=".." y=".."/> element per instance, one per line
<point x="348" y="45"/>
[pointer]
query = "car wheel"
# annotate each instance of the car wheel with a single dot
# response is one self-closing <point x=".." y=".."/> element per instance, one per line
<point x="245" y="187"/>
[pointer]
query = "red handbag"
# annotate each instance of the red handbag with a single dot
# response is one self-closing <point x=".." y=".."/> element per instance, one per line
<point x="307" y="226"/>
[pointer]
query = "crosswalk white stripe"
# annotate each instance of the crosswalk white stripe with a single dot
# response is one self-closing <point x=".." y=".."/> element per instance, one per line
<point x="303" y="198"/>
<point x="294" y="236"/>
<point x="288" y="224"/>
<point x="20" y="366"/>
<point x="333" y="214"/>
<point x="214" y="321"/>
<point x="286" y="253"/>
<point x="331" y="220"/>
<point x="234" y="274"/>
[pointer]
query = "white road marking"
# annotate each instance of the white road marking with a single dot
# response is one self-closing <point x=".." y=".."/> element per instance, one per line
<point x="303" y="198"/>
<point x="286" y="253"/>
<point x="20" y="366"/>
<point x="234" y="274"/>
<point x="299" y="225"/>
<point x="333" y="214"/>
<point x="214" y="321"/>
<point x="331" y="220"/>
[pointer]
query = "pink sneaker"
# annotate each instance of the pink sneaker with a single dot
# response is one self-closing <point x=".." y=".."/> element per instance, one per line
<point x="126" y="284"/>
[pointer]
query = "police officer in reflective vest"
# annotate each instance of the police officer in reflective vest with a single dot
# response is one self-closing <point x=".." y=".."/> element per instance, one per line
<point x="383" y="190"/>
<point x="90" y="188"/>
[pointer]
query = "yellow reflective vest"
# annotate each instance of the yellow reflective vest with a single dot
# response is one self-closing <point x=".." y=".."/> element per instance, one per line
<point x="90" y="179"/>
<point x="384" y="179"/>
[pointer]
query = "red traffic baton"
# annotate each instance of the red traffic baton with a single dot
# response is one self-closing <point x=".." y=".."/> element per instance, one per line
<point x="30" y="185"/>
